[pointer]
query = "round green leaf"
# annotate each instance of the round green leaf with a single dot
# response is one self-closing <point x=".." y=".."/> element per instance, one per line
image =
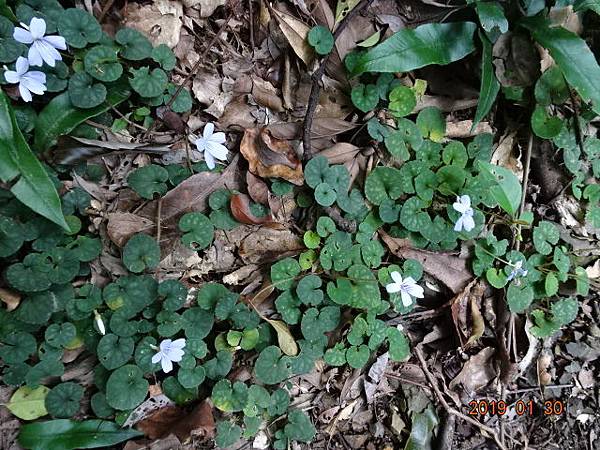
<point x="402" y="101"/>
<point x="164" y="56"/>
<point x="102" y="63"/>
<point x="84" y="93"/>
<point x="311" y="239"/>
<point x="191" y="378"/>
<point x="100" y="406"/>
<point x="365" y="97"/>
<point x="270" y="368"/>
<point x="543" y="125"/>
<point x="141" y="252"/>
<point x="336" y="356"/>
<point x="325" y="195"/>
<point x="315" y="170"/>
<point x="287" y="305"/>
<point x="412" y="216"/>
<point x="495" y="278"/>
<point x="31" y="275"/>
<point x="545" y="235"/>
<point x="198" y="229"/>
<point x="338" y="178"/>
<point x="148" y="84"/>
<point x="10" y="49"/>
<point x="284" y="272"/>
<point x="174" y="294"/>
<point x="325" y="226"/>
<point x="431" y="123"/>
<point x="27" y="403"/>
<point x="228" y="433"/>
<point x="114" y="351"/>
<point x="455" y="154"/>
<point x="135" y="46"/>
<point x="411" y="133"/>
<point x="565" y="310"/>
<point x="60" y="335"/>
<point x="79" y="28"/>
<point x="299" y="427"/>
<point x="399" y="344"/>
<point x="382" y="184"/>
<point x="321" y="39"/>
<point x="11" y="236"/>
<point x="395" y="144"/>
<point x="519" y="297"/>
<point x="308" y="290"/>
<point x="358" y="356"/>
<point x="551" y="284"/>
<point x="183" y="101"/>
<point x="148" y="180"/>
<point x="126" y="388"/>
<point x="551" y="88"/>
<point x="63" y="400"/>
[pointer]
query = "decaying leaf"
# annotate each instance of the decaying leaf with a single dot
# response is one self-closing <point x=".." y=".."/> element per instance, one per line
<point x="465" y="313"/>
<point x="270" y="157"/>
<point x="450" y="270"/>
<point x="160" y="21"/>
<point x="286" y="341"/>
<point x="11" y="298"/>
<point x="240" y="209"/>
<point x="121" y="226"/>
<point x="257" y="188"/>
<point x="477" y="372"/>
<point x="267" y="244"/>
<point x="340" y="153"/>
<point x="296" y="33"/>
<point x="176" y="420"/>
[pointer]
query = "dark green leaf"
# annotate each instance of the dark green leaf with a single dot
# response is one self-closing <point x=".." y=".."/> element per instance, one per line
<point x="489" y="86"/>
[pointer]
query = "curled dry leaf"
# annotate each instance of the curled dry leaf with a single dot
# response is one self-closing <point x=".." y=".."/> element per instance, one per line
<point x="258" y="189"/>
<point x="263" y="92"/>
<point x="477" y="372"/>
<point x="465" y="313"/>
<point x="121" y="226"/>
<point x="340" y="153"/>
<point x="270" y="157"/>
<point x="267" y="244"/>
<point x="240" y="209"/>
<point x="11" y="298"/>
<point x="160" y="21"/>
<point x="450" y="270"/>
<point x="296" y="32"/>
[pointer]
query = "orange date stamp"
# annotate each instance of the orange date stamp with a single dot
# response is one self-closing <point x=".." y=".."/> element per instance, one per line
<point x="521" y="408"/>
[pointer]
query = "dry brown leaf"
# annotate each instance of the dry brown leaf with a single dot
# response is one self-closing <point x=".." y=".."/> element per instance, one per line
<point x="240" y="210"/>
<point x="206" y="7"/>
<point x="264" y="92"/>
<point x="257" y="188"/>
<point x="477" y="372"/>
<point x="176" y="420"/>
<point x="160" y="21"/>
<point x="296" y="33"/>
<point x="206" y="86"/>
<point x="462" y="129"/>
<point x="544" y="365"/>
<point x="340" y="153"/>
<point x="450" y="270"/>
<point x="192" y="194"/>
<point x="11" y="298"/>
<point x="121" y="226"/>
<point x="593" y="271"/>
<point x="478" y="325"/>
<point x="269" y="157"/>
<point x="323" y="127"/>
<point x="267" y="244"/>
<point x="503" y="155"/>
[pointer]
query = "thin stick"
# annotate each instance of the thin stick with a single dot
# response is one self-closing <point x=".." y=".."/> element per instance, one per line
<point x="120" y="114"/>
<point x="250" y="10"/>
<point x="158" y="218"/>
<point x="449" y="408"/>
<point x="315" y="90"/>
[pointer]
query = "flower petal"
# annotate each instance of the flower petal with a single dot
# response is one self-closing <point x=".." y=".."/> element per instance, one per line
<point x="165" y="345"/>
<point x="200" y="144"/>
<point x="210" y="161"/>
<point x="219" y="137"/>
<point x="208" y="130"/>
<point x="56" y="42"/>
<point x="219" y="151"/>
<point x="459" y="224"/>
<point x="392" y="288"/>
<point x="25" y="94"/>
<point x="178" y="343"/>
<point x="22" y="65"/>
<point x="48" y="53"/>
<point x="166" y="364"/>
<point x="33" y="85"/>
<point x="12" y="77"/>
<point x="458" y="206"/>
<point x="36" y="75"/>
<point x="406" y="299"/>
<point x="37" y="27"/>
<point x="468" y="223"/>
<point x="157" y="357"/>
<point x="415" y="290"/>
<point x="34" y="57"/>
<point x="175" y="354"/>
<point x="465" y="200"/>
<point x="22" y="35"/>
<point x="395" y="275"/>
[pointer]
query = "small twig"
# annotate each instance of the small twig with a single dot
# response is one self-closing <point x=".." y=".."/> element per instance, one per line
<point x="315" y="90"/>
<point x="449" y="409"/>
<point x="120" y="114"/>
<point x="251" y="20"/>
<point x="105" y="9"/>
<point x="158" y="219"/>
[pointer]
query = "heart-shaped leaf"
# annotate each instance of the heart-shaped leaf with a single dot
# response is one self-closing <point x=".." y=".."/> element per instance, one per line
<point x="102" y="63"/>
<point x="79" y="28"/>
<point x="136" y="46"/>
<point x="198" y="229"/>
<point x="148" y="84"/>
<point x="84" y="93"/>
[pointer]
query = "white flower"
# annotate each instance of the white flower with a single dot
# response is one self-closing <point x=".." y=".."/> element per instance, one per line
<point x="212" y="145"/>
<point x="29" y="81"/>
<point x="169" y="352"/>
<point x="43" y="48"/>
<point x="517" y="270"/>
<point x="463" y="206"/>
<point x="99" y="323"/>
<point x="408" y="288"/>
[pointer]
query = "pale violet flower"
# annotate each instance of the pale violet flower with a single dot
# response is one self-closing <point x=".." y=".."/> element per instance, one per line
<point x="517" y="270"/>
<point x="465" y="221"/>
<point x="211" y="144"/>
<point x="168" y="353"/>
<point x="99" y="323"/>
<point x="408" y="288"/>
<point x="28" y="80"/>
<point x="43" y="48"/>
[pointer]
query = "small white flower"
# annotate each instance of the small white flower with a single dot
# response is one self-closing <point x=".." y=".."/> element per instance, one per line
<point x="212" y="145"/>
<point x="408" y="288"/>
<point x="465" y="221"/>
<point x="517" y="270"/>
<point x="29" y="81"/>
<point x="99" y="323"/>
<point x="43" y="48"/>
<point x="169" y="352"/>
